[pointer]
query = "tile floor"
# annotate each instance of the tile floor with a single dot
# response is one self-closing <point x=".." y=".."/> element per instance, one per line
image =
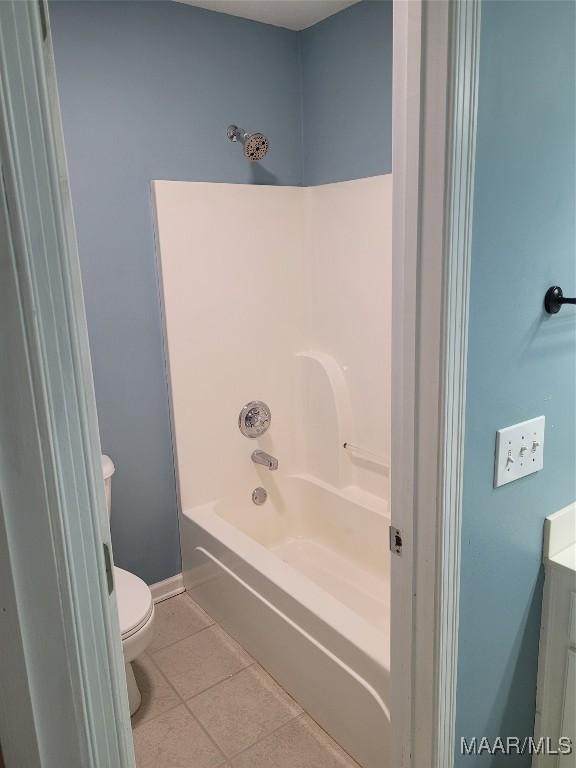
<point x="207" y="704"/>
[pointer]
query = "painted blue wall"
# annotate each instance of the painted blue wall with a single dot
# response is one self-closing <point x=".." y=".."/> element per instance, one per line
<point x="147" y="91"/>
<point x="521" y="362"/>
<point x="347" y="94"/>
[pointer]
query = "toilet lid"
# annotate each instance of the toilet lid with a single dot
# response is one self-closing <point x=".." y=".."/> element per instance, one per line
<point x="134" y="601"/>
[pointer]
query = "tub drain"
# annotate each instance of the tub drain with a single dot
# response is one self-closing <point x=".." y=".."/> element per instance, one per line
<point x="259" y="495"/>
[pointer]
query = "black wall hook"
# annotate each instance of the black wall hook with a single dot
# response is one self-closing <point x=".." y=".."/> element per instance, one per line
<point x="554" y="299"/>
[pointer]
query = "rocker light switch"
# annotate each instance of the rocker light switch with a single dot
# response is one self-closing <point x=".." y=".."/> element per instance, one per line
<point x="519" y="451"/>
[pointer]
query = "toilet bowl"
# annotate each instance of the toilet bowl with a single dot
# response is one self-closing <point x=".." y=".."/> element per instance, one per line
<point x="135" y="608"/>
<point x="136" y="615"/>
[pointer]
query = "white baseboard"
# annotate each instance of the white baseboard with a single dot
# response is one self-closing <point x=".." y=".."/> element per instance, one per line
<point x="162" y="590"/>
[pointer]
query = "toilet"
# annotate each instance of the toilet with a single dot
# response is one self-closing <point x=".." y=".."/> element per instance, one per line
<point x="135" y="608"/>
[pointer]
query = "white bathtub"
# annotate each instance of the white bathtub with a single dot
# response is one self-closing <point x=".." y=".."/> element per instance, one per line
<point x="302" y="583"/>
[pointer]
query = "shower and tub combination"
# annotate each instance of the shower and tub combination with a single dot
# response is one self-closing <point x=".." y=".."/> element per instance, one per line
<point x="276" y="304"/>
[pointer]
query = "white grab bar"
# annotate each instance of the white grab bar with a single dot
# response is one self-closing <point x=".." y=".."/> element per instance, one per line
<point x="369" y="456"/>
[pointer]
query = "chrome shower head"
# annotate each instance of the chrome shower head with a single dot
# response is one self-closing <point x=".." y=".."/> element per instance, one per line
<point x="256" y="145"/>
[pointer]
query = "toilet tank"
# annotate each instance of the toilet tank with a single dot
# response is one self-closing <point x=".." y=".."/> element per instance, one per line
<point x="107" y="472"/>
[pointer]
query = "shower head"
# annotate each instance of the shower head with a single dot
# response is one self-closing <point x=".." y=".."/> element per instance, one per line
<point x="256" y="145"/>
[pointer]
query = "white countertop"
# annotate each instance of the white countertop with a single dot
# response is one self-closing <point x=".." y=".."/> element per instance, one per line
<point x="560" y="539"/>
<point x="566" y="558"/>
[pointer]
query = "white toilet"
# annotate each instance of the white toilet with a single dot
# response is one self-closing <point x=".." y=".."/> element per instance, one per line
<point x="135" y="608"/>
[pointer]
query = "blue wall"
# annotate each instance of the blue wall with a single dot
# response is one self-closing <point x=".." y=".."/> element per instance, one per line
<point x="147" y="91"/>
<point x="347" y="94"/>
<point x="521" y="362"/>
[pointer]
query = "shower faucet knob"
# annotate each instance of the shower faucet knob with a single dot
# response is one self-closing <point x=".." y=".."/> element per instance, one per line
<point x="254" y="419"/>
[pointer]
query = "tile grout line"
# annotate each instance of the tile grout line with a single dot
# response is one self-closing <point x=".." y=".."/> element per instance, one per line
<point x="224" y="680"/>
<point x="327" y="735"/>
<point x="263" y="738"/>
<point x="182" y="702"/>
<point x="196" y="632"/>
<point x="218" y="682"/>
<point x="136" y="726"/>
<point x="152" y="654"/>
<point x="230" y="677"/>
<point x="177" y="692"/>
<point x="289" y="720"/>
<point x="228" y="759"/>
<point x="166" y="680"/>
<point x="301" y="715"/>
<point x="208" y="734"/>
<point x="210" y="687"/>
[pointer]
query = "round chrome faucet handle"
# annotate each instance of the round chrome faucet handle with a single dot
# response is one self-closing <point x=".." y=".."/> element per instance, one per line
<point x="254" y="419"/>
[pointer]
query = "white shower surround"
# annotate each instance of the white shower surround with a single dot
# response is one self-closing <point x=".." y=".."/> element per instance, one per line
<point x="283" y="294"/>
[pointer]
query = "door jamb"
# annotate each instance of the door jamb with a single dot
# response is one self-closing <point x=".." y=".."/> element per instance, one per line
<point x="63" y="655"/>
<point x="436" y="55"/>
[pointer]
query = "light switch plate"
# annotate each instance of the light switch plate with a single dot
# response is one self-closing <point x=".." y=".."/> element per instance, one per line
<point x="519" y="450"/>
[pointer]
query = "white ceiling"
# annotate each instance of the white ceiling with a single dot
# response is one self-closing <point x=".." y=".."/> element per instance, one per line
<point x="292" y="14"/>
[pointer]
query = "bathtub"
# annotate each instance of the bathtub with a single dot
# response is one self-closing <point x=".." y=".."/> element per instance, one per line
<point x="302" y="583"/>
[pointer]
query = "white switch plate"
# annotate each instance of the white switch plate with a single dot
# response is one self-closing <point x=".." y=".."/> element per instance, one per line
<point x="519" y="450"/>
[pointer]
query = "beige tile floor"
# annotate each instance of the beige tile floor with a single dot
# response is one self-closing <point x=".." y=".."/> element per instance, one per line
<point x="207" y="704"/>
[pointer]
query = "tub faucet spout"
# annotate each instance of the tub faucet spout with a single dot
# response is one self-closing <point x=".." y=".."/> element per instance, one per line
<point x="261" y="457"/>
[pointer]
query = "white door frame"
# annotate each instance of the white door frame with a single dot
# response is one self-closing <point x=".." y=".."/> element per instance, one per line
<point x="64" y="700"/>
<point x="53" y="521"/>
<point x="436" y="49"/>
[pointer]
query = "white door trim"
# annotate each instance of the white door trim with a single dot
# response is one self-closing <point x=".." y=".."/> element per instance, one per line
<point x="461" y="156"/>
<point x="63" y="655"/>
<point x="436" y="50"/>
<point x="407" y="21"/>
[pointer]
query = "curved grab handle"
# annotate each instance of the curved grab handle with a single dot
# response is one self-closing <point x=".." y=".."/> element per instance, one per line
<point x="554" y="299"/>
